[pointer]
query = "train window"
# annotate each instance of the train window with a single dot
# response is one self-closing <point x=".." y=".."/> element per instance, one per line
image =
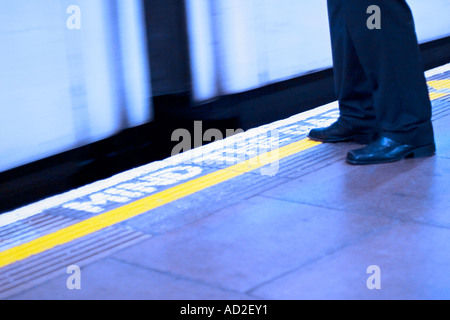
<point x="431" y="18"/>
<point x="239" y="45"/>
<point x="69" y="77"/>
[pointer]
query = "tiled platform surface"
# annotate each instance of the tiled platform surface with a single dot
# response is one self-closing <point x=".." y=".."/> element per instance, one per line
<point x="310" y="231"/>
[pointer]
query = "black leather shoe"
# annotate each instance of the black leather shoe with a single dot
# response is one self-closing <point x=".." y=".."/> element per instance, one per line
<point x="386" y="150"/>
<point x="339" y="133"/>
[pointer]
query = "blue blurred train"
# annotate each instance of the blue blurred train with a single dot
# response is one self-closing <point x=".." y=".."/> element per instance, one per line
<point x="87" y="84"/>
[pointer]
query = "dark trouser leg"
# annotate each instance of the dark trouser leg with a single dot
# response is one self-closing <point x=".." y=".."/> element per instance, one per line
<point x="353" y="88"/>
<point x="391" y="60"/>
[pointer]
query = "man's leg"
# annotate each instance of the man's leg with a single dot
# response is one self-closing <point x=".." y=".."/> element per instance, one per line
<point x="353" y="88"/>
<point x="357" y="121"/>
<point x="391" y="58"/>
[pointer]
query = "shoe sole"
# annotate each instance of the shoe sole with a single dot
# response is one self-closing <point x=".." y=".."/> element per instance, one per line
<point x="421" y="152"/>
<point x="360" y="138"/>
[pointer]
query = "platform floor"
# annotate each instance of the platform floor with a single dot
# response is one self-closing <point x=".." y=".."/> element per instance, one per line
<point x="265" y="215"/>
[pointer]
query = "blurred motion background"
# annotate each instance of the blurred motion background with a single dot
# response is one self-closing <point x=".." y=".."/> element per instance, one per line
<point x="81" y="104"/>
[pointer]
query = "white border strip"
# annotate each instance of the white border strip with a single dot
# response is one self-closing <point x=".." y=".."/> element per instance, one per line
<point x="438" y="70"/>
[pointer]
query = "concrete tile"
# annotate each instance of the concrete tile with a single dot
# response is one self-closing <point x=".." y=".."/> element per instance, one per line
<point x="109" y="279"/>
<point x="427" y="190"/>
<point x="442" y="136"/>
<point x="413" y="260"/>
<point x="202" y="204"/>
<point x="250" y="243"/>
<point x="406" y="190"/>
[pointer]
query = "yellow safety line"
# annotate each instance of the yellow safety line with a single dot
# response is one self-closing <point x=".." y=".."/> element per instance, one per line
<point x="437" y="95"/>
<point x="440" y="84"/>
<point x="144" y="205"/>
